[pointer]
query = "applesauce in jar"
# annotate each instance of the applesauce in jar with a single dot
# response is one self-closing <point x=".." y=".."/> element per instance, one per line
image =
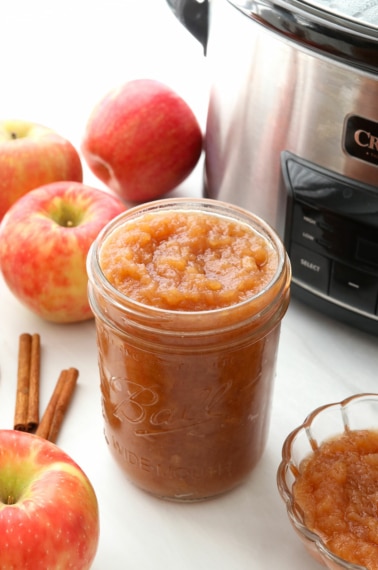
<point x="188" y="297"/>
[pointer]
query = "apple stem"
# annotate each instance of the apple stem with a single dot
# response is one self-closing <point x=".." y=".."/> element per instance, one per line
<point x="10" y="500"/>
<point x="13" y="135"/>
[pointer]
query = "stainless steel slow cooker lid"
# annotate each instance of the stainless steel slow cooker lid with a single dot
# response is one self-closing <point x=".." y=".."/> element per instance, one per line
<point x="342" y="29"/>
<point x="363" y="11"/>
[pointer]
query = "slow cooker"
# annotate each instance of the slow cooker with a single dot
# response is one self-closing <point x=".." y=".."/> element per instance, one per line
<point x="292" y="135"/>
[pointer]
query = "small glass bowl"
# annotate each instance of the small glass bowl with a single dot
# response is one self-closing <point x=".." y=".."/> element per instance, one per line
<point x="357" y="412"/>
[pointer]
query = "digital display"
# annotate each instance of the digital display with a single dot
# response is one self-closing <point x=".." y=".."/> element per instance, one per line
<point x="367" y="251"/>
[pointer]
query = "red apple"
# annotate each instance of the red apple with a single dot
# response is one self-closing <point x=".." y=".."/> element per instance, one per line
<point x="44" y="240"/>
<point x="49" y="516"/>
<point x="142" y="140"/>
<point x="32" y="155"/>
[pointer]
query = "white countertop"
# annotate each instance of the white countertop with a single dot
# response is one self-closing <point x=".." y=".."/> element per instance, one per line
<point x="58" y="59"/>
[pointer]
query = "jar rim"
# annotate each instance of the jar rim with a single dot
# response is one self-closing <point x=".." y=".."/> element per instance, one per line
<point x="206" y="205"/>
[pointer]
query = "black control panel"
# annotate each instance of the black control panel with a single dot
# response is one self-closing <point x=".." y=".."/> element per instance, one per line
<point x="331" y="235"/>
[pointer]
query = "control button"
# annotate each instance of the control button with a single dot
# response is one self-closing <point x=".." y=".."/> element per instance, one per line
<point x="305" y="225"/>
<point x="355" y="288"/>
<point x="326" y="227"/>
<point x="310" y="267"/>
<point x="309" y="219"/>
<point x="310" y="229"/>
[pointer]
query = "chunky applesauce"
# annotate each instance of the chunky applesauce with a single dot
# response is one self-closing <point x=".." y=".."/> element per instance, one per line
<point x="188" y="305"/>
<point x="187" y="261"/>
<point x="337" y="490"/>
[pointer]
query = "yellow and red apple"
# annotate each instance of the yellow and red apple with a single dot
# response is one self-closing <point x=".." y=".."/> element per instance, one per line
<point x="142" y="140"/>
<point x="32" y="155"/>
<point x="44" y="241"/>
<point x="49" y="516"/>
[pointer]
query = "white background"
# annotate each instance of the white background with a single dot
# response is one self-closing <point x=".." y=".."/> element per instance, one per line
<point x="57" y="59"/>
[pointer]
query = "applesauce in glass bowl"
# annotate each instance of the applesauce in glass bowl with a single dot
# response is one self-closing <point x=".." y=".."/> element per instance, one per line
<point x="188" y="296"/>
<point x="328" y="479"/>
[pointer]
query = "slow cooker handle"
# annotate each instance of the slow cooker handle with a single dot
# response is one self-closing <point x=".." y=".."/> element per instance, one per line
<point x="194" y="15"/>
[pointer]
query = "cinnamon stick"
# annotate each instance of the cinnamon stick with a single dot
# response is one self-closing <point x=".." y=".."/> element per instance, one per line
<point x="23" y="374"/>
<point x="46" y="420"/>
<point x="63" y="402"/>
<point x="55" y="411"/>
<point x="34" y="381"/>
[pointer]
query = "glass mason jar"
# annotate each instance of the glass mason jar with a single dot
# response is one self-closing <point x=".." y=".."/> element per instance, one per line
<point x="186" y="395"/>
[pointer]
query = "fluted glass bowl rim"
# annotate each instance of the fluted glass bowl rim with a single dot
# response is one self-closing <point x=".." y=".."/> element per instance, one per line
<point x="287" y="468"/>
